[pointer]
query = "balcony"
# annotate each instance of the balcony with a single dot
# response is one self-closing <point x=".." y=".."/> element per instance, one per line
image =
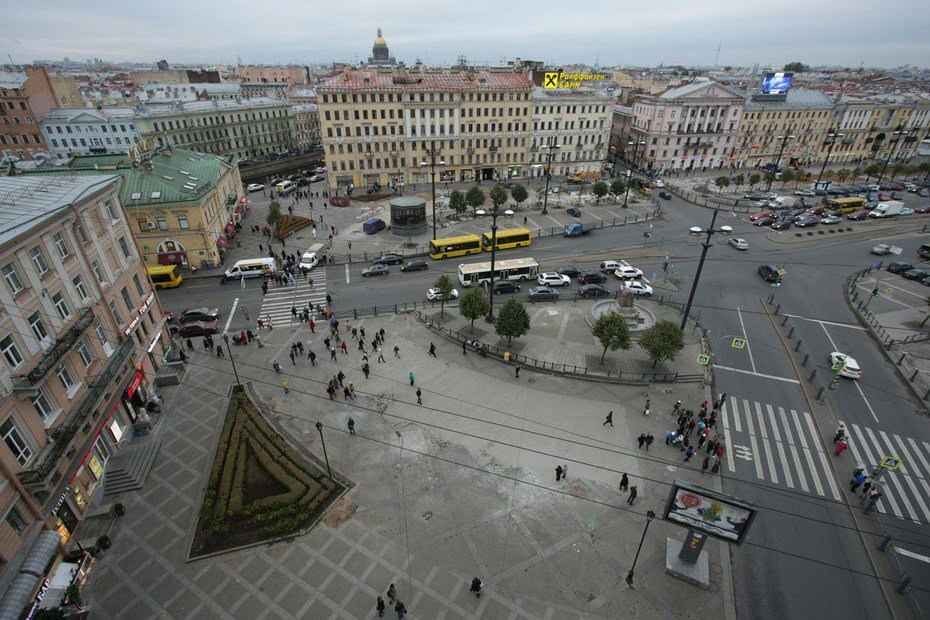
<point x="54" y="354"/>
<point x="492" y="148"/>
<point x="62" y="436"/>
<point x="698" y="145"/>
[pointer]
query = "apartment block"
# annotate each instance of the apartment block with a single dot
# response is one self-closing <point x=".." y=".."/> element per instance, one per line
<point x="578" y="121"/>
<point x="86" y="131"/>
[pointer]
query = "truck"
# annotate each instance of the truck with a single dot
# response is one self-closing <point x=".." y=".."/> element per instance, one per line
<point x="576" y="229"/>
<point x="887" y="209"/>
<point x="584" y="177"/>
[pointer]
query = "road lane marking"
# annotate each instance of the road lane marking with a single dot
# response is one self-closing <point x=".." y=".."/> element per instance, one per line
<point x="897" y="483"/>
<point x="823" y="459"/>
<point x="911" y="554"/>
<point x="779" y="445"/>
<point x="599" y="219"/>
<point x="755" y="374"/>
<point x="856" y="383"/>
<point x="739" y="428"/>
<point x="231" y="314"/>
<point x="557" y="222"/>
<point x="869" y="461"/>
<point x="886" y="298"/>
<point x="348" y="280"/>
<point x="912" y="477"/>
<point x="726" y="437"/>
<point x="794" y="451"/>
<point x="804" y="318"/>
<point x="752" y="439"/>
<point x="746" y="338"/>
<point x="765" y="444"/>
<point x="807" y="453"/>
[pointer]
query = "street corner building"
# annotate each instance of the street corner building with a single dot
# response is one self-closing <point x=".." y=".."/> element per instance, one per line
<point x="84" y="344"/>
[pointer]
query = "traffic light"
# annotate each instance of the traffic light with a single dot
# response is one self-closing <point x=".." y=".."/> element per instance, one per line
<point x="665" y="266"/>
<point x="875" y="292"/>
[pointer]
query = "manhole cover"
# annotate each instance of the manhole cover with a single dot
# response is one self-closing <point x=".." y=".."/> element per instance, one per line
<point x="668" y="391"/>
<point x="532" y="380"/>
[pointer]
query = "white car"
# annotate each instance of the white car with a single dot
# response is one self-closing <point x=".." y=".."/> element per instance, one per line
<point x="309" y="260"/>
<point x="433" y="294"/>
<point x="553" y="279"/>
<point x="739" y="244"/>
<point x="659" y="183"/>
<point x="845" y="365"/>
<point x="638" y="288"/>
<point x="805" y="192"/>
<point x="626" y="271"/>
<point x="255" y="187"/>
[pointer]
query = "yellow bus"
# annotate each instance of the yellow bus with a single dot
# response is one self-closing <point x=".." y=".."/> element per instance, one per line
<point x="455" y="246"/>
<point x="508" y="238"/>
<point x="845" y="205"/>
<point x="165" y="276"/>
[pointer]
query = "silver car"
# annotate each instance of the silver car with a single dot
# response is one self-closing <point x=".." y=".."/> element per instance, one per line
<point x="739" y="244"/>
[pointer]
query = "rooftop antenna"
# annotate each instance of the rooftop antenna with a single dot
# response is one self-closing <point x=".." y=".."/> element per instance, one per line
<point x="717" y="55"/>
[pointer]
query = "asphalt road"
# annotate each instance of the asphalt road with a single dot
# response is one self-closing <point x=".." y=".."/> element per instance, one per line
<point x="804" y="534"/>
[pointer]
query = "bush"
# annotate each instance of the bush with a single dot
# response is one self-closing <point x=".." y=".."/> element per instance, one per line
<point x="821" y="231"/>
<point x="798" y="234"/>
<point x="849" y="229"/>
<point x="810" y="233"/>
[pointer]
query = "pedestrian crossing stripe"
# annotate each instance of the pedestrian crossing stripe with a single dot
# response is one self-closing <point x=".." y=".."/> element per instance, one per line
<point x="278" y="301"/>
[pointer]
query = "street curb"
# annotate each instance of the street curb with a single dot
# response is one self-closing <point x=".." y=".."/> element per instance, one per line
<point x="892" y="603"/>
<point x="845" y="236"/>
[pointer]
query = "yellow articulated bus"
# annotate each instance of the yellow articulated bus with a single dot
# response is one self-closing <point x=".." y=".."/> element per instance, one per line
<point x="165" y="276"/>
<point x="455" y="246"/>
<point x="508" y="238"/>
<point x="845" y="205"/>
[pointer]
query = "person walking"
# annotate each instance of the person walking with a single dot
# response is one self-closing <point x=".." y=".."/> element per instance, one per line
<point x="609" y="419"/>
<point x="464" y="347"/>
<point x="351" y="425"/>
<point x="649" y="439"/>
<point x="558" y="473"/>
<point x="285" y="385"/>
<point x="380" y="355"/>
<point x="190" y="345"/>
<point x="857" y="481"/>
<point x="411" y="378"/>
<point x="516" y="373"/>
<point x="432" y="349"/>
<point x="396" y="351"/>
<point x="624" y="482"/>
<point x="705" y="464"/>
<point x="346" y="393"/>
<point x="366" y="369"/>
<point x="632" y="497"/>
<point x="379" y="606"/>
<point x="340" y="378"/>
<point x="646" y="409"/>
<point x="840" y="447"/>
<point x="332" y="354"/>
<point x="291" y="354"/>
<point x="352" y="389"/>
<point x="312" y="357"/>
<point x="392" y="594"/>
<point x="400" y="609"/>
<point x="419" y="397"/>
<point x="689" y="453"/>
<point x="641" y="440"/>
<point x="343" y="347"/>
<point x="219" y="352"/>
<point x="476" y="587"/>
<point x="276" y="366"/>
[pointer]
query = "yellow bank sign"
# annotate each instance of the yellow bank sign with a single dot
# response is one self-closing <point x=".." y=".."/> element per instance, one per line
<point x="558" y="79"/>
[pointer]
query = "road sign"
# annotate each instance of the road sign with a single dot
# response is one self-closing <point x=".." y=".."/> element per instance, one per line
<point x="837" y="365"/>
<point x="738" y="343"/>
<point x="891" y="462"/>
<point x="781" y="272"/>
<point x="703" y="359"/>
<point x="889" y="291"/>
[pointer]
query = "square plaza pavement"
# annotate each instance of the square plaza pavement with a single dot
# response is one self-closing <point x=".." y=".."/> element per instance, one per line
<point x="462" y="485"/>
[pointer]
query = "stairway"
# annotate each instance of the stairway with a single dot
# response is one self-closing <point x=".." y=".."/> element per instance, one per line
<point x="128" y="470"/>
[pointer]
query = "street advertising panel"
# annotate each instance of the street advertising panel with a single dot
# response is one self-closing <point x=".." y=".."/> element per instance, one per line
<point x="716" y="514"/>
<point x="776" y="83"/>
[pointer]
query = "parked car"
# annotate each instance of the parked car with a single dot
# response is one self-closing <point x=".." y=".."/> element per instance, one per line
<point x="543" y="293"/>
<point x="377" y="269"/>
<point x="846" y="366"/>
<point x="659" y="183"/>
<point x="764" y="221"/>
<point x="915" y="274"/>
<point x="417" y="264"/>
<point x="433" y="294"/>
<point x="906" y="211"/>
<point x="569" y="270"/>
<point x="755" y="196"/>
<point x="388" y="259"/>
<point x="505" y="286"/>
<point x="593" y="290"/>
<point x="197" y="328"/>
<point x="883" y="248"/>
<point x="782" y="224"/>
<point x="770" y="273"/>
<point x="831" y="219"/>
<point x="806" y="221"/>
<point x="858" y="216"/>
<point x="739" y="244"/>
<point x="923" y="192"/>
<point x="899" y="266"/>
<point x="638" y="288"/>
<point x="816" y="210"/>
<point x="759" y="216"/>
<point x="664" y="195"/>
<point x="625" y="271"/>
<point x="552" y="278"/>
<point x="592" y="277"/>
<point x="922" y="209"/>
<point x="199" y="314"/>
<point x="891" y="187"/>
<point x="255" y="187"/>
<point x="805" y="192"/>
<point x="573" y="211"/>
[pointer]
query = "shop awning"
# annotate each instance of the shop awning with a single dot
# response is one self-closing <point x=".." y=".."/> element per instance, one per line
<point x="230" y="229"/>
<point x="240" y="209"/>
<point x="222" y="242"/>
<point x="32" y="569"/>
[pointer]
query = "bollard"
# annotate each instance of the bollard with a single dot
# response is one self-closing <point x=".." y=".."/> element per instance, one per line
<point x="901" y="361"/>
<point x="927" y="394"/>
<point x="901" y="588"/>
<point x="820" y="395"/>
<point x="806" y="358"/>
<point x="860" y="305"/>
<point x="778" y="309"/>
<point x="797" y="347"/>
<point x="914" y="376"/>
<point x="813" y="374"/>
<point x="890" y="344"/>
<point x="883" y="545"/>
<point x="771" y="298"/>
<point x="785" y="320"/>
<point x="790" y="331"/>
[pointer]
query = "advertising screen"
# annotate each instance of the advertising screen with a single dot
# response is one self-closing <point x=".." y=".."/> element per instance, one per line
<point x="715" y="514"/>
<point x="776" y="83"/>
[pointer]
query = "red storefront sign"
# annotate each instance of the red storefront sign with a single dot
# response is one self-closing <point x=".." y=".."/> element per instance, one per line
<point x="230" y="229"/>
<point x="222" y="242"/>
<point x="134" y="384"/>
<point x="171" y="258"/>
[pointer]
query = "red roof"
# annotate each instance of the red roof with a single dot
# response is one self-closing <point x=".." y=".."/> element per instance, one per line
<point x="425" y="81"/>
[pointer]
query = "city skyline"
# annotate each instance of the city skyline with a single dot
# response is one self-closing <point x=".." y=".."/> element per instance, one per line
<point x="829" y="33"/>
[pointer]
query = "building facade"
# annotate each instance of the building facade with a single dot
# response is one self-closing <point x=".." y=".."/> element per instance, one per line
<point x="307" y="121"/>
<point x="85" y="131"/>
<point x="158" y="92"/>
<point x="578" y="121"/>
<point x="274" y="90"/>
<point x="379" y="126"/>
<point x="692" y="127"/>
<point x="620" y="130"/>
<point x="25" y="98"/>
<point x="240" y="127"/>
<point x="82" y="336"/>
<point x="273" y="74"/>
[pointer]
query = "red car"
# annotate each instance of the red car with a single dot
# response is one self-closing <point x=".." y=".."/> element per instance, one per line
<point x="816" y="210"/>
<point x="197" y="328"/>
<point x="758" y="216"/>
<point x="922" y="209"/>
<point x="857" y="216"/>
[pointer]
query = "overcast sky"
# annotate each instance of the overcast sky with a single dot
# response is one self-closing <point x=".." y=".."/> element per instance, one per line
<point x="619" y="32"/>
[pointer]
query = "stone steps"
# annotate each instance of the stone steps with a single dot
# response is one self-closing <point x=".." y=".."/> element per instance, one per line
<point x="128" y="470"/>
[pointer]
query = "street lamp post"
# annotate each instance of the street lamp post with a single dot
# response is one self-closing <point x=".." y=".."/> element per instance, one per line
<point x="831" y="142"/>
<point x="494" y="215"/>
<point x="781" y="151"/>
<point x="231" y="359"/>
<point x="629" y="180"/>
<point x="696" y="230"/>
<point x="548" y="172"/>
<point x="895" y="138"/>
<point x="319" y="428"/>
<point x="433" y="152"/>
<point x="650" y="515"/>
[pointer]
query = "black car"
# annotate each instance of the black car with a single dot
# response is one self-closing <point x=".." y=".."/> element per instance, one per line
<point x="764" y="221"/>
<point x="542" y="293"/>
<point x="573" y="211"/>
<point x="197" y="328"/>
<point x="376" y="269"/>
<point x="755" y="196"/>
<point x="806" y="222"/>
<point x="664" y="195"/>
<point x="590" y="277"/>
<point x="388" y="259"/>
<point x="899" y="267"/>
<point x="505" y="286"/>
<point x="770" y="273"/>
<point x="915" y="274"/>
<point x="925" y="280"/>
<point x="568" y="270"/>
<point x="417" y="264"/>
<point x="593" y="290"/>
<point x="302" y="181"/>
<point x="784" y="224"/>
<point x="198" y="314"/>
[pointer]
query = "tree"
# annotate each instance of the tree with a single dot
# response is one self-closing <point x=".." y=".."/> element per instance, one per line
<point x="786" y="177"/>
<point x="721" y="182"/>
<point x="498" y="195"/>
<point x="662" y="341"/>
<point x="474" y="305"/>
<point x="444" y="287"/>
<point x="617" y="188"/>
<point x="924" y="167"/>
<point x="612" y="332"/>
<point x="540" y="194"/>
<point x="800" y="175"/>
<point x="474" y="197"/>
<point x="512" y="321"/>
<point x="754" y="179"/>
<point x="457" y="201"/>
<point x="274" y="217"/>
<point x="769" y="177"/>
<point x="842" y="174"/>
<point x="519" y="194"/>
<point x="897" y="169"/>
<point x="872" y="170"/>
<point x="796" y="67"/>
<point x="739" y="179"/>
<point x="600" y="190"/>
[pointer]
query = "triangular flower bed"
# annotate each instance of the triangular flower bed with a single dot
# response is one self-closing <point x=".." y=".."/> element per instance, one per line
<point x="260" y="488"/>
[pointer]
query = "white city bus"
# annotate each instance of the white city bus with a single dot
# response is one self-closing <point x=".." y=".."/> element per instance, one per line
<point x="513" y="269"/>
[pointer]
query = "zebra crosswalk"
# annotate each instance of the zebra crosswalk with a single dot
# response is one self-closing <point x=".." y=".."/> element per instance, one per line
<point x="905" y="491"/>
<point x="783" y="446"/>
<point x="279" y="300"/>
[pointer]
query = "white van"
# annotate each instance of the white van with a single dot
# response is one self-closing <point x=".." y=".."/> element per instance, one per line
<point x="251" y="268"/>
<point x="285" y="187"/>
<point x="310" y="258"/>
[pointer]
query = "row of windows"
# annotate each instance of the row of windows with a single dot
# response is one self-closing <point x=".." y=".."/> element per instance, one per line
<point x="88" y="128"/>
<point x="570" y="109"/>
<point x="93" y="142"/>
<point x="218" y="120"/>
<point x="162" y="223"/>
<point x="787" y="114"/>
<point x="16" y="121"/>
<point x="483" y="158"/>
<point x="398" y="98"/>
<point x="13" y="139"/>
<point x="582" y="124"/>
<point x="400" y="146"/>
<point x="11" y="105"/>
<point x="389" y="114"/>
<point x="422" y="130"/>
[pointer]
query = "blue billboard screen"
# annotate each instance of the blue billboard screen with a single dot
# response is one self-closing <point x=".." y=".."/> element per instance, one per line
<point x="776" y="83"/>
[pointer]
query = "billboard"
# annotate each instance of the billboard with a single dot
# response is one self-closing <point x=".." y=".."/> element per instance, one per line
<point x="776" y="83"/>
<point x="715" y="514"/>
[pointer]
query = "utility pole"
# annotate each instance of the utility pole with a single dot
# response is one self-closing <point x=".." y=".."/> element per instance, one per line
<point x="433" y="152"/>
<point x="697" y="276"/>
<point x="548" y="172"/>
<point x="781" y="150"/>
<point x="629" y="180"/>
<point x="831" y="141"/>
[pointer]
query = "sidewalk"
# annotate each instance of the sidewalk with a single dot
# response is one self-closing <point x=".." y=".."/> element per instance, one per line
<point x="460" y="486"/>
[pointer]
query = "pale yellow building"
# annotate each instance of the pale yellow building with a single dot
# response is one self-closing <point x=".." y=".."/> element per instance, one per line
<point x="273" y="74"/>
<point x="578" y="120"/>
